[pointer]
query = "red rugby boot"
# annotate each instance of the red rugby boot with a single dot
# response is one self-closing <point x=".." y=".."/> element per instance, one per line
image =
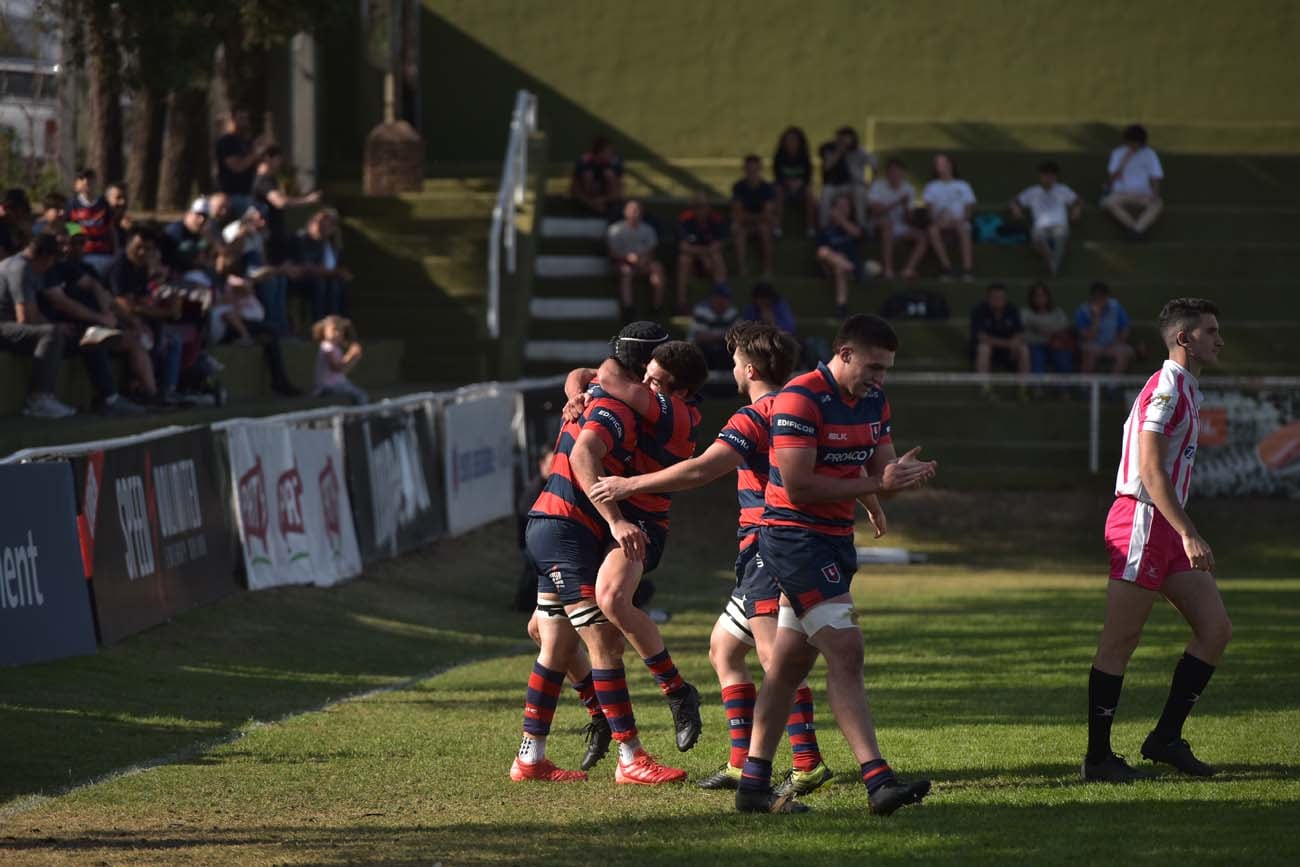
<point x="546" y="771"/>
<point x="645" y="771"/>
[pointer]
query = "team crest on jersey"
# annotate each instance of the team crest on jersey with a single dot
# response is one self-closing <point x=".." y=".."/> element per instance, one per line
<point x="875" y="430"/>
<point x="1161" y="400"/>
<point x="832" y="573"/>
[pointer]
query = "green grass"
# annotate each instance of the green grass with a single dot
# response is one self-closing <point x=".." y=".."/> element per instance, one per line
<point x="976" y="664"/>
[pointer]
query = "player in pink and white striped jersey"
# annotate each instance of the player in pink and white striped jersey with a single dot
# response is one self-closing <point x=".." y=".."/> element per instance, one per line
<point x="1155" y="549"/>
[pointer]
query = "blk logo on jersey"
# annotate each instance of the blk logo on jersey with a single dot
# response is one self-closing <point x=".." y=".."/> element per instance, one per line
<point x="832" y="573"/>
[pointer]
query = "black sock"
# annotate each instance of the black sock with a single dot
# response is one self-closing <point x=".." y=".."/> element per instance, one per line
<point x="1103" y="699"/>
<point x="1191" y="675"/>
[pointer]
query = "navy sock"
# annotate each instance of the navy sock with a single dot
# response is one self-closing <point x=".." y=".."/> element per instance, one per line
<point x="756" y="775"/>
<point x="876" y="773"/>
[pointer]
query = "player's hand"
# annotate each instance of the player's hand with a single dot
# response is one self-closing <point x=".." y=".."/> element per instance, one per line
<point x="1198" y="552"/>
<point x="630" y="538"/>
<point x="900" y="476"/>
<point x="610" y="489"/>
<point x="574" y="408"/>
<point x="911" y="458"/>
<point x="876" y="515"/>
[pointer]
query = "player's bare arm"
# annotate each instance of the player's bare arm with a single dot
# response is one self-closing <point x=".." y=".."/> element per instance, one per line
<point x="1152" y="448"/>
<point x="805" y="485"/>
<point x="618" y="383"/>
<point x="715" y="462"/>
<point x="575" y="392"/>
<point x="875" y="514"/>
<point x="585" y="459"/>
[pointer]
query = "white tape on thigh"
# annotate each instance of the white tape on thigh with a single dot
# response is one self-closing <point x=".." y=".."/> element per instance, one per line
<point x="836" y="615"/>
<point x="733" y="620"/>
<point x="786" y="619"/>
<point x="589" y="615"/>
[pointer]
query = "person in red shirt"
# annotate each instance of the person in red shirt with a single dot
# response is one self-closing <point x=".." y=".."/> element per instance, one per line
<point x="88" y="208"/>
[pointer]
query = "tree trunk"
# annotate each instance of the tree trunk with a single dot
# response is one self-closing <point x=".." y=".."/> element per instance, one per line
<point x="184" y="137"/>
<point x="150" y="115"/>
<point x="198" y="151"/>
<point x="244" y="72"/>
<point x="105" y="69"/>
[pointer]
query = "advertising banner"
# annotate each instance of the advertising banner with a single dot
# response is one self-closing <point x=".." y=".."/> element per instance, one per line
<point x="392" y="478"/>
<point x="478" y="471"/>
<point x="1249" y="444"/>
<point x="154" y="529"/>
<point x="44" y="601"/>
<point x="294" y="515"/>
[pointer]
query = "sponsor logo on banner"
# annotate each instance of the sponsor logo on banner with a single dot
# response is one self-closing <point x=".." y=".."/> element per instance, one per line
<point x="470" y="464"/>
<point x="329" y="501"/>
<point x="180" y="514"/>
<point x="253" y="510"/>
<point x="133" y="512"/>
<point x="395" y="467"/>
<point x="288" y="492"/>
<point x="20" y="580"/>
<point x="1214" y="426"/>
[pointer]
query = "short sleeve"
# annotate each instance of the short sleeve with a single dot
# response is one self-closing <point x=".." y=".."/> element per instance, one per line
<point x="745" y="432"/>
<point x="1157" y="171"/>
<point x="651" y="236"/>
<point x="1121" y="318"/>
<point x="1115" y="157"/>
<point x="795" y="417"/>
<point x="1023" y="199"/>
<point x="1070" y="196"/>
<point x="737" y="194"/>
<point x="886" y="435"/>
<point x="1082" y="320"/>
<point x="1163" y="408"/>
<point x="611" y="420"/>
<point x="967" y="193"/>
<point x="928" y="193"/>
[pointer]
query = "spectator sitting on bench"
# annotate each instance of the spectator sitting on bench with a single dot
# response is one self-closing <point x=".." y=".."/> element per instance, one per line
<point x="997" y="337"/>
<point x="237" y="317"/>
<point x="321" y="277"/>
<point x="54" y="214"/>
<point x="844" y="173"/>
<point x="700" y="233"/>
<point x="1134" y="183"/>
<point x="793" y="173"/>
<point x="950" y="201"/>
<point x="182" y="239"/>
<point x="1103" y="328"/>
<point x="631" y="243"/>
<point x="711" y="319"/>
<point x="838" y="252"/>
<point x="598" y="179"/>
<point x="889" y="200"/>
<point x="1052" y="207"/>
<point x="1047" y="332"/>
<point x="15" y="221"/>
<point x="115" y="196"/>
<point x="90" y="209"/>
<point x="753" y="212"/>
<point x="23" y="330"/>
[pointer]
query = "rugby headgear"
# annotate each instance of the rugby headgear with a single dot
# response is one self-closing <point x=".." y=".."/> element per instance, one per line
<point x="636" y="343"/>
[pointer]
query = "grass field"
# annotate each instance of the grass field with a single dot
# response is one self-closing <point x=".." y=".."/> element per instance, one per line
<point x="976" y="662"/>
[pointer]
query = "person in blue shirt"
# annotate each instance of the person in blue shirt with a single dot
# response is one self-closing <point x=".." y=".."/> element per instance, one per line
<point x="700" y="233"/>
<point x="838" y="251"/>
<point x="753" y="212"/>
<point x="1103" y="328"/>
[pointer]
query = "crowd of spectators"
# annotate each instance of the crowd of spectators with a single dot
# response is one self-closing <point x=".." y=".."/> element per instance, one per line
<point x="86" y="278"/>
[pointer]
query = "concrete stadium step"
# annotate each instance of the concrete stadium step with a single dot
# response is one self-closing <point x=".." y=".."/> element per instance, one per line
<point x="573" y="309"/>
<point x="565" y="352"/>
<point x="587" y="228"/>
<point x="549" y="266"/>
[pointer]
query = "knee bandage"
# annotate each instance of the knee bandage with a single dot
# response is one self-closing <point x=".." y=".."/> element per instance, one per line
<point x="836" y="615"/>
<point x="587" y="615"/>
<point x="550" y="609"/>
<point x="733" y="620"/>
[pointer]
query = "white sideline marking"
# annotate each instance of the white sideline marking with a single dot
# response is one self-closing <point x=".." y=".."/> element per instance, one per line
<point x="573" y="308"/>
<point x="571" y="266"/>
<point x="30" y="802"/>
<point x="566" y="350"/>
<point x="573" y="227"/>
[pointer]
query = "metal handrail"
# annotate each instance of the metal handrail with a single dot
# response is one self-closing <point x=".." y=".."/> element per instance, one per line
<point x="510" y="195"/>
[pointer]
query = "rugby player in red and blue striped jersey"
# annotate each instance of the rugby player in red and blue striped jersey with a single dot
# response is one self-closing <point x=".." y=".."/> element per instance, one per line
<point x="763" y="357"/>
<point x="831" y="443"/>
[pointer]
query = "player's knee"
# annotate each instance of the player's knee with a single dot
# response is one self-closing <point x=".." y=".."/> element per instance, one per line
<point x="1218" y="633"/>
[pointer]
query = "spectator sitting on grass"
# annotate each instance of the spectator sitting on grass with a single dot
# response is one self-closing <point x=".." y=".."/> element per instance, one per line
<point x="951" y="201"/>
<point x="712" y="317"/>
<point x="838" y="252"/>
<point x="889" y="199"/>
<point x="321" y="276"/>
<point x="23" y="330"/>
<point x="844" y="173"/>
<point x="631" y="243"/>
<point x="54" y="213"/>
<point x="337" y="354"/>
<point x="90" y="209"/>
<point x="997" y="337"/>
<point x="1052" y="206"/>
<point x="1134" y="183"/>
<point x="700" y="232"/>
<point x="1103" y="328"/>
<point x="792" y="171"/>
<point x="598" y="178"/>
<point x="1047" y="332"/>
<point x="753" y="212"/>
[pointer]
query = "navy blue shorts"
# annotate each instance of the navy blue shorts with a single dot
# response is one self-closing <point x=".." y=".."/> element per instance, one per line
<point x="807" y="566"/>
<point x="755" y="589"/>
<point x="654" y="549"/>
<point x="566" y="557"/>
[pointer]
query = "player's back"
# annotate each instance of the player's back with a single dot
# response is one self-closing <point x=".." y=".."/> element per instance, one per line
<point x="748" y="431"/>
<point x="1168" y="404"/>
<point x="562" y="497"/>
<point x="664" y="437"/>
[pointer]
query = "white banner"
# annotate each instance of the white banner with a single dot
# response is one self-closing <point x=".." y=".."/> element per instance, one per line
<point x="295" y="520"/>
<point x="478" y="460"/>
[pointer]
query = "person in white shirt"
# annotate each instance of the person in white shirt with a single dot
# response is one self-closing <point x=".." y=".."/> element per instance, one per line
<point x="951" y="201"/>
<point x="1135" y="178"/>
<point x="889" y="201"/>
<point x="632" y="243"/>
<point x="1053" y="206"/>
<point x="1155" y="550"/>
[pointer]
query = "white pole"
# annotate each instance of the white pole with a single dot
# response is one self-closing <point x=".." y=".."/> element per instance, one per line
<point x="1094" y="427"/>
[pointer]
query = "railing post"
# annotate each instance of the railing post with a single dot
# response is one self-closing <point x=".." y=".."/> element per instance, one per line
<point x="1094" y="426"/>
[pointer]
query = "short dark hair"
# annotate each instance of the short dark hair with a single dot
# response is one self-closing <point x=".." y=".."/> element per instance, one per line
<point x="54" y="200"/>
<point x="1135" y="133"/>
<point x="1098" y="287"/>
<point x="867" y="331"/>
<point x="599" y="143"/>
<point x="995" y="286"/>
<point x="763" y="289"/>
<point x="45" y="246"/>
<point x="684" y="363"/>
<point x="85" y="174"/>
<point x="1183" y="314"/>
<point x="895" y="161"/>
<point x="1049" y="167"/>
<point x="848" y="131"/>
<point x="752" y="158"/>
<point x="16" y="197"/>
<point x="770" y="350"/>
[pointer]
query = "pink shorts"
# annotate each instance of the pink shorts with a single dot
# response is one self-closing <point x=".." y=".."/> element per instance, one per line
<point x="1144" y="549"/>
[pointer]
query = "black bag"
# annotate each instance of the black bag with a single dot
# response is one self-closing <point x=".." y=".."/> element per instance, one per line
<point x="915" y="304"/>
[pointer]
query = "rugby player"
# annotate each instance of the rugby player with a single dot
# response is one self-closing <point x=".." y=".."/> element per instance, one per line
<point x="827" y="426"/>
<point x="1155" y="550"/>
<point x="565" y="541"/>
<point x="763" y="359"/>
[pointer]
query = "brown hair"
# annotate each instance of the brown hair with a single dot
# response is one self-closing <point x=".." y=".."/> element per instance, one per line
<point x="684" y="363"/>
<point x="341" y="322"/>
<point x="866" y="331"/>
<point x="770" y="350"/>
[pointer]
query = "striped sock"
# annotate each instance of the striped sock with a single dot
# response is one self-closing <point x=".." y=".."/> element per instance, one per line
<point x="661" y="666"/>
<point x="875" y="774"/>
<point x="611" y="691"/>
<point x="586" y="691"/>
<point x="738" y="700"/>
<point x="803" y="734"/>
<point x="756" y="775"/>
<point x="543" y="695"/>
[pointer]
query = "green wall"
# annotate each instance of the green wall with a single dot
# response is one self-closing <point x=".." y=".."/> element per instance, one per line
<point x="711" y="78"/>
